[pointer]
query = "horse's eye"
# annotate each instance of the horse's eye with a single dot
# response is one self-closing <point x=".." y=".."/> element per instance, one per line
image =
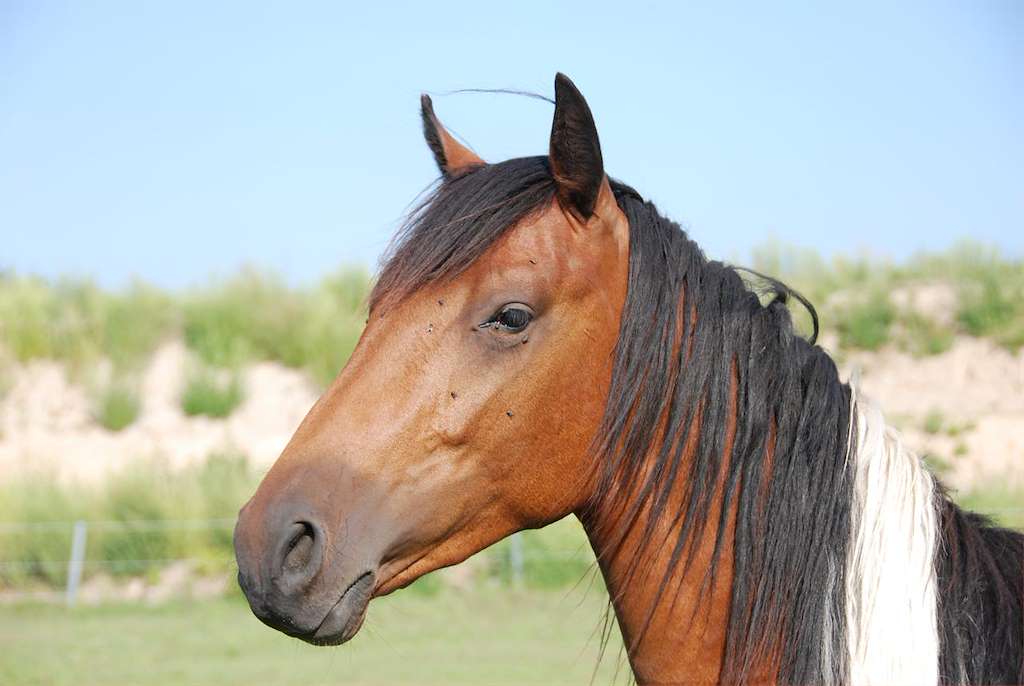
<point x="512" y="318"/>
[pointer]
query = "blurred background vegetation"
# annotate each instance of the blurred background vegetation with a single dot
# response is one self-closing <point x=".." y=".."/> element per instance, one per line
<point x="256" y="316"/>
<point x="854" y="295"/>
<point x="148" y="516"/>
<point x="251" y="316"/>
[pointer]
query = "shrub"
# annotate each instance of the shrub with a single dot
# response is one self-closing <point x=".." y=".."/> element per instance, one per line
<point x="335" y="323"/>
<point x="987" y="308"/>
<point x="117" y="406"/>
<point x="994" y="308"/>
<point x="866" y="324"/>
<point x="933" y="422"/>
<point x="923" y="336"/>
<point x="990" y="291"/>
<point x="213" y="393"/>
<point x="246" y="317"/>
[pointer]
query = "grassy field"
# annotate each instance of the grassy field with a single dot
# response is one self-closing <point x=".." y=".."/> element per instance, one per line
<point x="481" y="637"/>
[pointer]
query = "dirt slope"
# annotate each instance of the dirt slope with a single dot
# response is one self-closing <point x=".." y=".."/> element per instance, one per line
<point x="964" y="408"/>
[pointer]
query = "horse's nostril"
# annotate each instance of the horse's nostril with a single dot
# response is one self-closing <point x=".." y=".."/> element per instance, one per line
<point x="301" y="548"/>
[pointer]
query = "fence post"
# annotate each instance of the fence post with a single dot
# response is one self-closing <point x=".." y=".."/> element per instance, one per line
<point x="75" y="561"/>
<point x="515" y="558"/>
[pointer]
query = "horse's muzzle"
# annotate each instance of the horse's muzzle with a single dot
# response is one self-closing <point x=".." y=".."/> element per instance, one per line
<point x="282" y="569"/>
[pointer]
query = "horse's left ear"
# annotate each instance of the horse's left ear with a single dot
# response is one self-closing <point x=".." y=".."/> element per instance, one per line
<point x="451" y="156"/>
<point x="575" y="152"/>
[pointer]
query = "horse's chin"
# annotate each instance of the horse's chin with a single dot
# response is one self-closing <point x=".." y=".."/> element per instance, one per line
<point x="343" y="620"/>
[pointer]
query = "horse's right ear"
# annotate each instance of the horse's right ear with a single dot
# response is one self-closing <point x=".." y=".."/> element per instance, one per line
<point x="575" y="152"/>
<point x="451" y="156"/>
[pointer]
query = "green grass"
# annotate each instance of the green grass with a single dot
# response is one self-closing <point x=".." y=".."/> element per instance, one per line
<point x="556" y="556"/>
<point x="212" y="393"/>
<point x="490" y="636"/>
<point x="1005" y="504"/>
<point x="117" y="406"/>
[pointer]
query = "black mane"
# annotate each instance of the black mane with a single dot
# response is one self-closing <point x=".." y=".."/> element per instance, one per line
<point x="697" y="349"/>
<point x="783" y="482"/>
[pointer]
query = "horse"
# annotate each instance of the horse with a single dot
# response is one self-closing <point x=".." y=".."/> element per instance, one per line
<point x="541" y="341"/>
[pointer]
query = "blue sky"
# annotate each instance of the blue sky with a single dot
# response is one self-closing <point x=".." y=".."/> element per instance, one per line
<point x="180" y="140"/>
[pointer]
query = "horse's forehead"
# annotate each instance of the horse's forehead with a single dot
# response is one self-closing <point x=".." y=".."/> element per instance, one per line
<point x="545" y="239"/>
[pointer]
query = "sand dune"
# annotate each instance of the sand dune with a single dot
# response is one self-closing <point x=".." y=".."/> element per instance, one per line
<point x="964" y="406"/>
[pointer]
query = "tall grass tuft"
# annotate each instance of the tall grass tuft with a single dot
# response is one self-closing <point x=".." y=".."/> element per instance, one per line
<point x="117" y="405"/>
<point x="211" y="392"/>
<point x="866" y="324"/>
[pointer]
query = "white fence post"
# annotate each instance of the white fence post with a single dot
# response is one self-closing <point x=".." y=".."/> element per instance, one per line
<point x="515" y="558"/>
<point x="75" y="562"/>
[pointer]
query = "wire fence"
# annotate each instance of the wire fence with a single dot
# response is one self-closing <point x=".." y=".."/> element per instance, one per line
<point x="50" y="560"/>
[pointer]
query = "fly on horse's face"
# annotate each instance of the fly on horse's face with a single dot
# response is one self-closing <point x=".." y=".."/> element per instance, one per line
<point x="465" y="413"/>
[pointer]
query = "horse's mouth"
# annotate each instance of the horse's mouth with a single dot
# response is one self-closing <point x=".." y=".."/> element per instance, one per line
<point x="346" y="616"/>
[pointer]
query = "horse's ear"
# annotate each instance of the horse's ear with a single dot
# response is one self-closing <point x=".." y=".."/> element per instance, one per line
<point x="575" y="150"/>
<point x="450" y="155"/>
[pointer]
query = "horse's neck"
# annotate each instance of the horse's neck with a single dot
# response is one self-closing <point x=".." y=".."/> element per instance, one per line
<point x="890" y="560"/>
<point x="683" y="641"/>
<point x="673" y="614"/>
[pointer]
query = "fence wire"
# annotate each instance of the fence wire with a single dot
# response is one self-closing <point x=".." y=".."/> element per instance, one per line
<point x="47" y="553"/>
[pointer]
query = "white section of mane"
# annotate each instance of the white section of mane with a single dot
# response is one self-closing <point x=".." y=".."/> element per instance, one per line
<point x="891" y="602"/>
